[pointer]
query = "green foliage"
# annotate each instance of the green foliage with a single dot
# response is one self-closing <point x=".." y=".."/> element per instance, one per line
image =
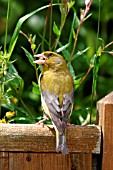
<point x="11" y="84"/>
<point x="35" y="89"/>
<point x="29" y="56"/>
<point x="56" y="30"/>
<point x="75" y="39"/>
<point x="18" y="27"/>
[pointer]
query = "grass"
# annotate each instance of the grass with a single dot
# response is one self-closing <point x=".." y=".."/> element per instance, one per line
<point x="12" y="84"/>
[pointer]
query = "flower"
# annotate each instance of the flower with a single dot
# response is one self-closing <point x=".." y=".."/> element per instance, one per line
<point x="2" y="120"/>
<point x="87" y="2"/>
<point x="9" y="114"/>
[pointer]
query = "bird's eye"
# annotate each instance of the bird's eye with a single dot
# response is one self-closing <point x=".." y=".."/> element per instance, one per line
<point x="50" y="55"/>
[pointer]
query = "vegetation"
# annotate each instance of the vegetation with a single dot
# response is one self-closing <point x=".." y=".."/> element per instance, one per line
<point x="80" y="31"/>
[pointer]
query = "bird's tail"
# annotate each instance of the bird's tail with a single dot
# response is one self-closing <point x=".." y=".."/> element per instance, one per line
<point x="61" y="145"/>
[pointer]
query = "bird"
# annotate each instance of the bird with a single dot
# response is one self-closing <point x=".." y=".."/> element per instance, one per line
<point x="57" y="94"/>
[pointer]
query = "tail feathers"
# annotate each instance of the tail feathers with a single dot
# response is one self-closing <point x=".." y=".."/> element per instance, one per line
<point x="61" y="145"/>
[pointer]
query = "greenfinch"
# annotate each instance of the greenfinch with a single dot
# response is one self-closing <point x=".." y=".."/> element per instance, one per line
<point x="57" y="94"/>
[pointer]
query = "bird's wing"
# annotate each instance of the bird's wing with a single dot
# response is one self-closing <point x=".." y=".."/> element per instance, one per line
<point x="59" y="115"/>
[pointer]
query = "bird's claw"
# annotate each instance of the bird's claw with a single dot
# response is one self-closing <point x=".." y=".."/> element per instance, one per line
<point x="41" y="122"/>
<point x="69" y="124"/>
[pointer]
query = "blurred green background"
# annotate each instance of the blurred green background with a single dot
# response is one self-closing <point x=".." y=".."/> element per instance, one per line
<point x="87" y="38"/>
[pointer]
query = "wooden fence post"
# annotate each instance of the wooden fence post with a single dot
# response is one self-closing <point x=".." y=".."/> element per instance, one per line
<point x="105" y="113"/>
<point x="32" y="147"/>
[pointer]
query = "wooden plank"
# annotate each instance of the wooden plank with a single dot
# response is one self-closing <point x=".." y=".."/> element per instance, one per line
<point x="4" y="161"/>
<point x="34" y="138"/>
<point x="16" y="161"/>
<point x="55" y="161"/>
<point x="105" y="112"/>
<point x="42" y="161"/>
<point x="50" y="161"/>
<point x="81" y="161"/>
<point x="96" y="161"/>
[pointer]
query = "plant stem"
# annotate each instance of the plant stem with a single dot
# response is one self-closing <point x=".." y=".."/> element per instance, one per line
<point x="50" y="32"/>
<point x="107" y="45"/>
<point x="89" y="69"/>
<point x="0" y="97"/>
<point x="7" y="18"/>
<point x="95" y="69"/>
<point x="75" y="40"/>
<point x="62" y="25"/>
<point x="21" y="32"/>
<point x="45" y="26"/>
<point x="98" y="26"/>
<point x="63" y="20"/>
<point x="82" y="18"/>
<point x="26" y="107"/>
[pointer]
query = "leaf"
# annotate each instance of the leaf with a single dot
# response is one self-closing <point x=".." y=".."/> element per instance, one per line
<point x="35" y="84"/>
<point x="94" y="84"/>
<point x="62" y="48"/>
<point x="77" y="83"/>
<point x="87" y="16"/>
<point x="24" y="120"/>
<point x="19" y="25"/>
<point x="95" y="72"/>
<point x="35" y="89"/>
<point x="56" y="30"/>
<point x="70" y="4"/>
<point x="18" y="81"/>
<point x="102" y="42"/>
<point x="33" y="46"/>
<point x="74" y="34"/>
<point x="99" y="51"/>
<point x="13" y="86"/>
<point x="34" y="39"/>
<point x="36" y="50"/>
<point x="44" y="40"/>
<point x="74" y="26"/>
<point x="71" y="70"/>
<point x="6" y="103"/>
<point x="29" y="56"/>
<point x="65" y="52"/>
<point x="79" y="116"/>
<point x="92" y="60"/>
<point x="79" y="53"/>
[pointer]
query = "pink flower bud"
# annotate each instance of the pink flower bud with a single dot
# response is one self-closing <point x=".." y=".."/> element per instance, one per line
<point x="87" y="2"/>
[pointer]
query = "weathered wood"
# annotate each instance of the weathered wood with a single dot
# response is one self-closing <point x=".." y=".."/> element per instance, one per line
<point x="105" y="112"/>
<point x="34" y="138"/>
<point x="4" y="161"/>
<point x="49" y="161"/>
<point x="39" y="161"/>
<point x="81" y="161"/>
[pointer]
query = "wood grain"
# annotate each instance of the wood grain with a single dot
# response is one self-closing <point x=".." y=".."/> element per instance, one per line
<point x="105" y="114"/>
<point x="34" y="138"/>
<point x="49" y="161"/>
<point x="81" y="161"/>
<point x="39" y="161"/>
<point x="4" y="161"/>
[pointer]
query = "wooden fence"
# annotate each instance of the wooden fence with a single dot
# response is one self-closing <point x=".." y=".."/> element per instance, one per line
<point x="31" y="147"/>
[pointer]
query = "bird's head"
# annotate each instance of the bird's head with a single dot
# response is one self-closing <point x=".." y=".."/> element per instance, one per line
<point x="51" y="60"/>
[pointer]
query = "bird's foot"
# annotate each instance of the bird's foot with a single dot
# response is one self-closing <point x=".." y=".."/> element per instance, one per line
<point x="69" y="124"/>
<point x="41" y="122"/>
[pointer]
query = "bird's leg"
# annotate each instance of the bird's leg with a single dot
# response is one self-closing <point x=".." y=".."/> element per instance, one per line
<point x="69" y="124"/>
<point x="41" y="122"/>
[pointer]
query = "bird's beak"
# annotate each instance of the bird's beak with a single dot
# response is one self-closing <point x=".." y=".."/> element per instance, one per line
<point x="42" y="58"/>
